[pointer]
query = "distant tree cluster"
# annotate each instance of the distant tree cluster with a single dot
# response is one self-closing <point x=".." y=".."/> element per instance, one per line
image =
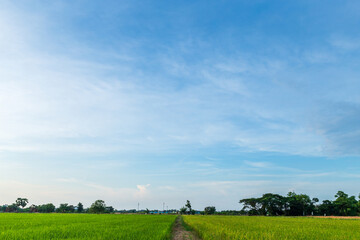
<point x="300" y="205"/>
<point x="45" y="208"/>
<point x="209" y="210"/>
<point x="9" y="208"/>
<point x="65" y="208"/>
<point x="15" y="207"/>
<point x="20" y="204"/>
<point x="229" y="212"/>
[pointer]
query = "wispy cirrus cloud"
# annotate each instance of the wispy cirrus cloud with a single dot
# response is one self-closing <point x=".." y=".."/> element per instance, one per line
<point x="57" y="97"/>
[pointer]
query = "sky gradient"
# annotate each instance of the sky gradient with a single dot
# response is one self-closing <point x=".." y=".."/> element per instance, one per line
<point x="159" y="101"/>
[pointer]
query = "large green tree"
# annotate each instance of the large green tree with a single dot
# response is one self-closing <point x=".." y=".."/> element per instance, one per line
<point x="209" y="210"/>
<point x="98" y="207"/>
<point x="272" y="204"/>
<point x="299" y="204"/>
<point x="251" y="205"/>
<point x="345" y="205"/>
<point x="21" y="202"/>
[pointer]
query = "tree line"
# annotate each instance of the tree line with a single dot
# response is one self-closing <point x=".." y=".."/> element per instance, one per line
<point x="300" y="205"/>
<point x="268" y="204"/>
<point x="19" y="205"/>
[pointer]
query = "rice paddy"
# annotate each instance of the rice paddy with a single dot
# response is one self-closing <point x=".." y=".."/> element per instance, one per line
<point x="85" y="226"/>
<point x="254" y="228"/>
<point x="150" y="227"/>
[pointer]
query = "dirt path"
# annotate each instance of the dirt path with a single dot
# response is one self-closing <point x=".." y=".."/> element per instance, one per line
<point x="180" y="233"/>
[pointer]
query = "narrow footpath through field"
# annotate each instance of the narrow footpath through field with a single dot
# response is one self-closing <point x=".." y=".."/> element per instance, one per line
<point x="180" y="233"/>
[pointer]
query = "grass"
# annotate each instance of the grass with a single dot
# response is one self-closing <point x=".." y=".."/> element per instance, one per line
<point x="148" y="227"/>
<point x="85" y="226"/>
<point x="255" y="228"/>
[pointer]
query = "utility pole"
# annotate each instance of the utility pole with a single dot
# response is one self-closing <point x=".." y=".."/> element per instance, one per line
<point x="138" y="206"/>
<point x="163" y="206"/>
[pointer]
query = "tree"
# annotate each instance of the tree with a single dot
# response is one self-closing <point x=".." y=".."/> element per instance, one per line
<point x="298" y="204"/>
<point x="71" y="208"/>
<point x="65" y="208"/>
<point x="210" y="210"/>
<point x="251" y="205"/>
<point x="327" y="208"/>
<point x="341" y="203"/>
<point x="272" y="204"/>
<point x="109" y="209"/>
<point x="21" y="202"/>
<point x="33" y="208"/>
<point x="62" y="208"/>
<point x="48" y="208"/>
<point x="3" y="208"/>
<point x="98" y="207"/>
<point x="80" y="207"/>
<point x="188" y="205"/>
<point x="183" y="210"/>
<point x="345" y="205"/>
<point x="12" y="208"/>
<point x="147" y="211"/>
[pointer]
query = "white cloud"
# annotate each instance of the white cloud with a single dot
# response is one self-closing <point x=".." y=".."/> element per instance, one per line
<point x="345" y="43"/>
<point x="258" y="164"/>
<point x="64" y="103"/>
<point x="142" y="190"/>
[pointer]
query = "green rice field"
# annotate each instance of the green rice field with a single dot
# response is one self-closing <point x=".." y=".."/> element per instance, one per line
<point x="276" y="228"/>
<point x="112" y="226"/>
<point x="85" y="226"/>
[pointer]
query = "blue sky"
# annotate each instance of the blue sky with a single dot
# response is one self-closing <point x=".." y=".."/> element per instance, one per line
<point x="160" y="101"/>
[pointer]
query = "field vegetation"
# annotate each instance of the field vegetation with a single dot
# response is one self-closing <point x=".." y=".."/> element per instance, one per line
<point x="85" y="226"/>
<point x="278" y="220"/>
<point x="135" y="226"/>
<point x="274" y="228"/>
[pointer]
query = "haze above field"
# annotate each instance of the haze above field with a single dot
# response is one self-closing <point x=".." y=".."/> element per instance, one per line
<point x="153" y="102"/>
